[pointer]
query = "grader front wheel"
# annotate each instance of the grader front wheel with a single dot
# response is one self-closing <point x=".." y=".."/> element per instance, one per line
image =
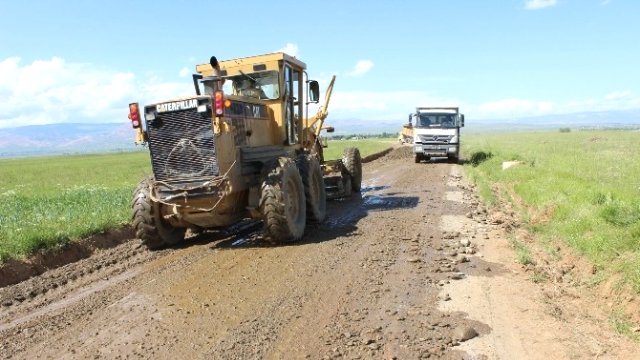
<point x="282" y="202"/>
<point x="314" y="190"/>
<point x="147" y="219"/>
<point x="353" y="164"/>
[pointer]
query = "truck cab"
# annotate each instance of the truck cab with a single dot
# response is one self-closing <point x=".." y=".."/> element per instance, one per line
<point x="436" y="132"/>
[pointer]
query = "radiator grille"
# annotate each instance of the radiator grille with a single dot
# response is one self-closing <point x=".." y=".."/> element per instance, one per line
<point x="435" y="139"/>
<point x="182" y="145"/>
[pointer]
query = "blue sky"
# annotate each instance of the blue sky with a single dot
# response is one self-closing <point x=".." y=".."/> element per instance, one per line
<point x="84" y="61"/>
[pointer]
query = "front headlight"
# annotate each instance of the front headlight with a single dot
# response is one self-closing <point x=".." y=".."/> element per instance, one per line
<point x="454" y="139"/>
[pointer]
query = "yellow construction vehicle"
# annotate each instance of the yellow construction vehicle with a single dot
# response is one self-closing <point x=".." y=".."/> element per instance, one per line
<point x="241" y="147"/>
<point x="405" y="136"/>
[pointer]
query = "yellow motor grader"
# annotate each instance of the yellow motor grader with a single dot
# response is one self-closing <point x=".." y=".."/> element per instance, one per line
<point x="405" y="136"/>
<point x="241" y="147"/>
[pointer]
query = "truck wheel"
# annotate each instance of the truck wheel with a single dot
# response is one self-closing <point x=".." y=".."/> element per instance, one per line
<point x="314" y="191"/>
<point x="353" y="163"/>
<point x="282" y="202"/>
<point x="417" y="158"/>
<point x="147" y="220"/>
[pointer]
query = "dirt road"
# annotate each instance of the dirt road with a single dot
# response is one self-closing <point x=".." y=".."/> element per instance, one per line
<point x="412" y="268"/>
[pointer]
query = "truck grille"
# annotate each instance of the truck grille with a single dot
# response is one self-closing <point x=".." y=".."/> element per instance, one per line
<point x="182" y="145"/>
<point x="435" y="139"/>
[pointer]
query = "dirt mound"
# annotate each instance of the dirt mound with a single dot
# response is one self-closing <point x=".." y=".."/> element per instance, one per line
<point x="376" y="156"/>
<point x="402" y="152"/>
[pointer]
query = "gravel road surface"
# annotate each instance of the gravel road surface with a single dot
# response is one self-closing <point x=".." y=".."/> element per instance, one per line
<point x="413" y="267"/>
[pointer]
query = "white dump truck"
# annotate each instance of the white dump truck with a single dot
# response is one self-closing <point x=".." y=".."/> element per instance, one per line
<point x="436" y="132"/>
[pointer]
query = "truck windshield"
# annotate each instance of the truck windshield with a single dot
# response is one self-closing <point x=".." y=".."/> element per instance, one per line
<point x="263" y="85"/>
<point x="436" y="120"/>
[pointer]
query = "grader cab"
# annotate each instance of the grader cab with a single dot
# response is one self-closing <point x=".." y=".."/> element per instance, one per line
<point x="240" y="148"/>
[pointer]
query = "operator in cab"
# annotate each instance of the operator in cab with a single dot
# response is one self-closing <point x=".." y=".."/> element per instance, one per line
<point x="249" y="88"/>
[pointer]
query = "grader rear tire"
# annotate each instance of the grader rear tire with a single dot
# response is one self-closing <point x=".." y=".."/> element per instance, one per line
<point x="282" y="202"/>
<point x="353" y="164"/>
<point x="148" y="224"/>
<point x="314" y="190"/>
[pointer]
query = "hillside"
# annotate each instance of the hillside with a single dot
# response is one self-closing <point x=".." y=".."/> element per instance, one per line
<point x="65" y="139"/>
<point x="76" y="138"/>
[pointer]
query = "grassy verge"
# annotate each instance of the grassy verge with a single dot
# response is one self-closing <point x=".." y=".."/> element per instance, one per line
<point x="581" y="188"/>
<point x="47" y="202"/>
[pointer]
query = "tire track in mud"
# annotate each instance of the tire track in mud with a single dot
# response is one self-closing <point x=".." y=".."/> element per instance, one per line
<point x="37" y="308"/>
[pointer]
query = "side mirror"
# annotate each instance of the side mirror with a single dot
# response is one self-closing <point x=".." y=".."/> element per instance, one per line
<point x="410" y="118"/>
<point x="314" y="91"/>
<point x="197" y="77"/>
<point x="329" y="129"/>
<point x="461" y="120"/>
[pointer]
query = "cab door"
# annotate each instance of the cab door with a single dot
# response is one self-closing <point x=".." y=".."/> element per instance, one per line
<point x="292" y="104"/>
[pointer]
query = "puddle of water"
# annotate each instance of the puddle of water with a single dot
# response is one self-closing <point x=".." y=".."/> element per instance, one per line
<point x="386" y="202"/>
<point x="240" y="242"/>
<point x="373" y="200"/>
<point x="371" y="187"/>
<point x="243" y="225"/>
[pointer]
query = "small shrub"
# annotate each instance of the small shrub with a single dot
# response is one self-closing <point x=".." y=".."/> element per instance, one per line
<point x="620" y="214"/>
<point x="479" y="157"/>
<point x="565" y="130"/>
<point x="601" y="199"/>
<point x="523" y="253"/>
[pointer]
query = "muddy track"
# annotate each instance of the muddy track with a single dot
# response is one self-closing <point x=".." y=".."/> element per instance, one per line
<point x="389" y="274"/>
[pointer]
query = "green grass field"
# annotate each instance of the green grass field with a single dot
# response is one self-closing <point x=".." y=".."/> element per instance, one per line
<point x="49" y="201"/>
<point x="581" y="188"/>
<point x="366" y="146"/>
<point x="46" y="202"/>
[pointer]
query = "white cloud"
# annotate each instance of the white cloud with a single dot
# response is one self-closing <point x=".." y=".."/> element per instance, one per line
<point x="290" y="49"/>
<point x="539" y="4"/>
<point x="621" y="100"/>
<point x="184" y="72"/>
<point x="618" y="95"/>
<point x="54" y="91"/>
<point x="375" y="105"/>
<point x="382" y="105"/>
<point x="514" y="107"/>
<point x="362" y="67"/>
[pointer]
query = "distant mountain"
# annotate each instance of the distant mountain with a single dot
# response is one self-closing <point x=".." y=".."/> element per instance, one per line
<point x="91" y="138"/>
<point x="65" y="139"/>
<point x="584" y="120"/>
<point x="619" y="119"/>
